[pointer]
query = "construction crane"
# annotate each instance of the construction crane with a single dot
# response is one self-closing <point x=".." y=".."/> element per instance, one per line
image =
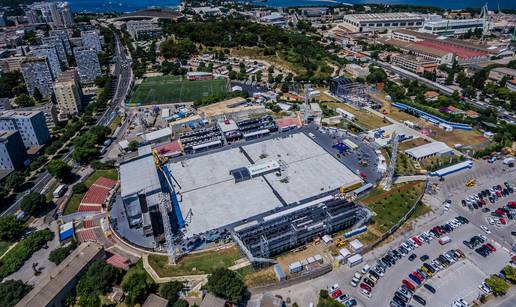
<point x="392" y="165"/>
<point x="484" y="15"/>
<point x="307" y="103"/>
<point x="164" y="209"/>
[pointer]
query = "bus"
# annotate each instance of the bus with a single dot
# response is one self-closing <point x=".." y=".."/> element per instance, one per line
<point x="59" y="191"/>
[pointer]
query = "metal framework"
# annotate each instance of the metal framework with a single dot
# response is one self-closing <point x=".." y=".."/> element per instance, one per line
<point x="308" y="88"/>
<point x="484" y="14"/>
<point x="392" y="166"/>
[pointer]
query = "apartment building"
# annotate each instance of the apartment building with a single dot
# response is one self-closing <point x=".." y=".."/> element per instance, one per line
<point x="12" y="150"/>
<point x="87" y="64"/>
<point x="414" y="63"/>
<point x="64" y="35"/>
<point x="50" y="53"/>
<point x="68" y="93"/>
<point x="31" y="126"/>
<point x="91" y="40"/>
<point x="143" y="29"/>
<point x="37" y="74"/>
<point x="57" y="43"/>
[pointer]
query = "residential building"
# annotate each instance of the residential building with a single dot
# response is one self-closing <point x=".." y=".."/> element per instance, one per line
<point x="49" y="112"/>
<point x="143" y="29"/>
<point x="442" y="26"/>
<point x="511" y="85"/>
<point x="87" y="64"/>
<point x="66" y="14"/>
<point x="65" y="37"/>
<point x="53" y="289"/>
<point x="381" y="21"/>
<point x="417" y="64"/>
<point x="91" y="40"/>
<point x="58" y="14"/>
<point x="12" y="151"/>
<point x="155" y="301"/>
<point x="31" y="125"/>
<point x="57" y="43"/>
<point x="50" y="53"/>
<point x="68" y="93"/>
<point x="11" y="64"/>
<point x="497" y="74"/>
<point x="357" y="71"/>
<point x="57" y="20"/>
<point x="37" y="74"/>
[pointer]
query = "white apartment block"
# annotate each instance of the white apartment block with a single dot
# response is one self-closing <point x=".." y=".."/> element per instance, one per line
<point x="37" y="74"/>
<point x="68" y="93"/>
<point x="31" y="126"/>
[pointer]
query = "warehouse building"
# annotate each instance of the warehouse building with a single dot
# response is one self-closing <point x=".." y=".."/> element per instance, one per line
<point x="381" y="21"/>
<point x="452" y="26"/>
<point x="429" y="150"/>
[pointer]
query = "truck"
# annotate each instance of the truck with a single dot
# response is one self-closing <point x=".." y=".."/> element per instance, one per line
<point x="444" y="240"/>
<point x="59" y="191"/>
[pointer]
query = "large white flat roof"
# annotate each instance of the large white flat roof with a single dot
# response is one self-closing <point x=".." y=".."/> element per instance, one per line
<point x="209" y="196"/>
<point x="428" y="149"/>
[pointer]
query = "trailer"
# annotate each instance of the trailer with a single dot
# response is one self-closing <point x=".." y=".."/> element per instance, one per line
<point x="354" y="260"/>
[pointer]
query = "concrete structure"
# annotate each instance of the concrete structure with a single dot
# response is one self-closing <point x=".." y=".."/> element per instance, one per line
<point x="38" y="75"/>
<point x="12" y="151"/>
<point x="143" y="29"/>
<point x="223" y="182"/>
<point x="91" y="40"/>
<point x="50" y="53"/>
<point x="498" y="73"/>
<point x="275" y="19"/>
<point x="53" y="289"/>
<point x="381" y="21"/>
<point x="56" y="13"/>
<point x="68" y="94"/>
<point x="65" y="38"/>
<point x="452" y="169"/>
<point x="87" y="64"/>
<point x="155" y="301"/>
<point x="429" y="150"/>
<point x="234" y="108"/>
<point x="357" y="71"/>
<point x="59" y="46"/>
<point x="12" y="63"/>
<point x="31" y="125"/>
<point x="451" y="26"/>
<point x="141" y="192"/>
<point x="211" y="300"/>
<point x="414" y="63"/>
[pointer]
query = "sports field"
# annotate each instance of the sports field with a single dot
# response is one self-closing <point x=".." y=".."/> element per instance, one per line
<point x="170" y="89"/>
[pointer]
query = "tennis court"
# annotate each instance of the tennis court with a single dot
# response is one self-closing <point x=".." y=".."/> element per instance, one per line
<point x="170" y="89"/>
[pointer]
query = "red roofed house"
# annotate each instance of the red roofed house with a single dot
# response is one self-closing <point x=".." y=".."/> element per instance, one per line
<point x="431" y="95"/>
<point x="287" y="123"/>
<point x="472" y="114"/>
<point x="455" y="111"/>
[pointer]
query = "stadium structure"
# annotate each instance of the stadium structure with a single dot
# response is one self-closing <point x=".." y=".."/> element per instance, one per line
<point x="270" y="195"/>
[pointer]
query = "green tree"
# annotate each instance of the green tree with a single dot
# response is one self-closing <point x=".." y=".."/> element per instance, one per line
<point x="97" y="279"/>
<point x="510" y="273"/>
<point x="180" y="303"/>
<point x="24" y="100"/>
<point x="498" y="285"/>
<point x="34" y="203"/>
<point x="137" y="286"/>
<point x="226" y="284"/>
<point x="59" y="254"/>
<point x="59" y="169"/>
<point x="37" y="95"/>
<point x="79" y="188"/>
<point x="12" y="291"/>
<point x="11" y="229"/>
<point x="170" y="290"/>
<point x="14" y="181"/>
<point x="133" y="145"/>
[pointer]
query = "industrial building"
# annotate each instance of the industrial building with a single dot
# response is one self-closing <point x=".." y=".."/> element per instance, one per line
<point x="235" y="108"/>
<point x="451" y="26"/>
<point x="381" y="21"/>
<point x="143" y="29"/>
<point x="416" y="64"/>
<point x="54" y="288"/>
<point x="243" y="184"/>
<point x="429" y="150"/>
<point x="31" y="125"/>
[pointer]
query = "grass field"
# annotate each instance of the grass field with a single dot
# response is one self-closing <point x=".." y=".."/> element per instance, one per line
<point x="170" y="89"/>
<point x="391" y="206"/>
<point x="364" y="118"/>
<point x="4" y="245"/>
<point x="195" y="264"/>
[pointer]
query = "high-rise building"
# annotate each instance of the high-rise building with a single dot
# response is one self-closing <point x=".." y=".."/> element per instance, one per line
<point x="57" y="20"/>
<point x="53" y="59"/>
<point x="66" y="14"/>
<point x="91" y="40"/>
<point x="12" y="151"/>
<point x="37" y="74"/>
<point x="68" y="94"/>
<point x="31" y="126"/>
<point x="56" y="13"/>
<point x="58" y="44"/>
<point x="65" y="37"/>
<point x="87" y="64"/>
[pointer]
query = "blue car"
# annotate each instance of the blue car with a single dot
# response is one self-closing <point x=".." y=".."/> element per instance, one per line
<point x="352" y="302"/>
<point x="415" y="279"/>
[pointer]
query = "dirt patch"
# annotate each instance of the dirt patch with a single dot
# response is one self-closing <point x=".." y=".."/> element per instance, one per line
<point x="412" y="143"/>
<point x="387" y="193"/>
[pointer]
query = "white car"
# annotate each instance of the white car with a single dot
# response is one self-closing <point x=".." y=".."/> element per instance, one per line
<point x="490" y="220"/>
<point x="446" y="207"/>
<point x="365" y="293"/>
<point x="333" y="288"/>
<point x="358" y="275"/>
<point x="484" y="228"/>
<point x="485" y="288"/>
<point x="461" y="301"/>
<point x="365" y="268"/>
<point x="354" y="282"/>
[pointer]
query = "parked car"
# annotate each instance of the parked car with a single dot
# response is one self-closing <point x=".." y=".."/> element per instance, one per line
<point x="419" y="299"/>
<point x="424" y="258"/>
<point x="429" y="288"/>
<point x="412" y="257"/>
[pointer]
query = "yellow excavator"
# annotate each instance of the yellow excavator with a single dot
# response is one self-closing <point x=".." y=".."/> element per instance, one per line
<point x="470" y="182"/>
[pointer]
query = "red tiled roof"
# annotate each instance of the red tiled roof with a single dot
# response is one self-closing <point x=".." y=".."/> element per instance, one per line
<point x="118" y="261"/>
<point x="86" y="208"/>
<point x="95" y="195"/>
<point x="86" y="235"/>
<point x="461" y="53"/>
<point x="105" y="183"/>
<point x="172" y="148"/>
<point x="288" y="122"/>
<point x="90" y="223"/>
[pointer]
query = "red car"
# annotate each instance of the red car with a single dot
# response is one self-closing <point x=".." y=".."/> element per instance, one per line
<point x="512" y="204"/>
<point x="499" y="211"/>
<point x="409" y="285"/>
<point x="503" y="221"/>
<point x="419" y="276"/>
<point x="417" y="241"/>
<point x="491" y="247"/>
<point x="336" y="294"/>
<point x="498" y="194"/>
<point x="364" y="286"/>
